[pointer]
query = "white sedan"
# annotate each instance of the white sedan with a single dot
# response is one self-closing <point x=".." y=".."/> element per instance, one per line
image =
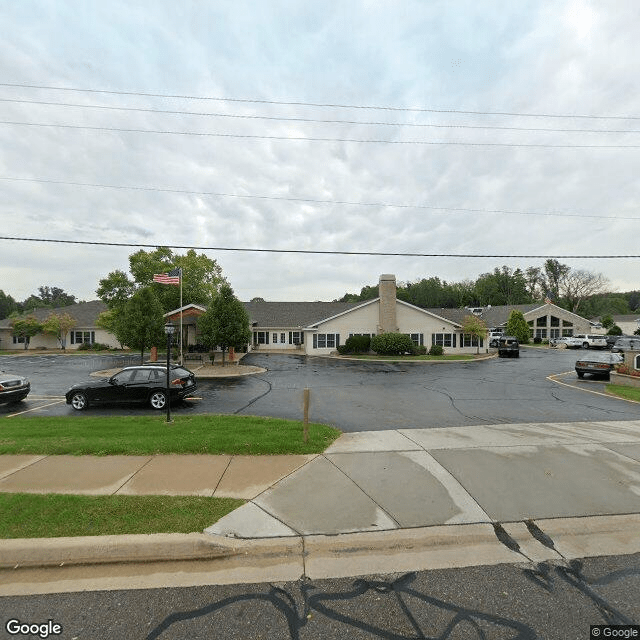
<point x="568" y="342"/>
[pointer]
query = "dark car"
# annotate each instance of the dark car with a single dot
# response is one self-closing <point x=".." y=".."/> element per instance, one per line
<point x="145" y="384"/>
<point x="508" y="346"/>
<point x="598" y="364"/>
<point x="13" y="388"/>
<point x="611" y="341"/>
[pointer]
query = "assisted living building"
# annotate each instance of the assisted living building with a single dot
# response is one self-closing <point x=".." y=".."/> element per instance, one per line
<point x="318" y="328"/>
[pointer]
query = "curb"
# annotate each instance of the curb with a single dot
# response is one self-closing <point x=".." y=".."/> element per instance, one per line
<point x="47" y="552"/>
<point x="32" y="566"/>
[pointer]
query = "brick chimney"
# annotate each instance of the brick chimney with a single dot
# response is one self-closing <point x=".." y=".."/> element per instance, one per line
<point x="387" y="310"/>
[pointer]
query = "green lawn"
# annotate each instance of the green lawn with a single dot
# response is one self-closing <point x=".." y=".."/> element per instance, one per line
<point x="411" y="358"/>
<point x="27" y="515"/>
<point x="628" y="393"/>
<point x="148" y="435"/>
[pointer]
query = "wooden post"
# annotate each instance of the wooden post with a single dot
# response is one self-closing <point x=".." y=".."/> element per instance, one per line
<point x="305" y="420"/>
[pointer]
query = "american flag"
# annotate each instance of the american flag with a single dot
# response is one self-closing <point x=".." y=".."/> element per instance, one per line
<point x="173" y="277"/>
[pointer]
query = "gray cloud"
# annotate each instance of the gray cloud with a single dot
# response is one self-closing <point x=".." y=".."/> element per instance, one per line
<point x="542" y="57"/>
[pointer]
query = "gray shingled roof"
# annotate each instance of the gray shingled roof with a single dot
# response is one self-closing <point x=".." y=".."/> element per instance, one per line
<point x="294" y="314"/>
<point x="85" y="313"/>
<point x="491" y="316"/>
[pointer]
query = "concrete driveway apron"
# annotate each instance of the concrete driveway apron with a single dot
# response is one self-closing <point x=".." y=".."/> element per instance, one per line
<point x="376" y="481"/>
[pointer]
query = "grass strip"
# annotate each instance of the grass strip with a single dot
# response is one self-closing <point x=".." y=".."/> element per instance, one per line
<point x="410" y="358"/>
<point x="628" y="393"/>
<point x="27" y="515"/>
<point x="148" y="435"/>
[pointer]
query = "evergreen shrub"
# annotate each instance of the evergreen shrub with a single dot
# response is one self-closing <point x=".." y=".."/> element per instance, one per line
<point x="357" y="344"/>
<point x="392" y="344"/>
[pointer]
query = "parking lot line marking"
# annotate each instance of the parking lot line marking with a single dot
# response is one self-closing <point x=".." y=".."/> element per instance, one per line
<point x="34" y="409"/>
<point x="552" y="377"/>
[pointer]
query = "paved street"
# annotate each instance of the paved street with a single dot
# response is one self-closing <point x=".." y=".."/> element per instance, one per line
<point x="362" y="396"/>
<point x="554" y="601"/>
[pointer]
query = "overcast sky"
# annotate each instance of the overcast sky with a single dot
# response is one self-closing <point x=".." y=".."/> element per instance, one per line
<point x="236" y="63"/>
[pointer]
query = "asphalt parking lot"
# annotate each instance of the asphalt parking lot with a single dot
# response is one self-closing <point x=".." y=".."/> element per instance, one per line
<point x="540" y="386"/>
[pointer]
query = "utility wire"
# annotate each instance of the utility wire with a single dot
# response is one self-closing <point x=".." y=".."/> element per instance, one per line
<point x="317" y="201"/>
<point x="318" y="252"/>
<point x="315" y="139"/>
<point x="311" y="120"/>
<point x="315" y="104"/>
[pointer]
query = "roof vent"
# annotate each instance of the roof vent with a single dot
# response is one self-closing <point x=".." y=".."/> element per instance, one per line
<point x="477" y="311"/>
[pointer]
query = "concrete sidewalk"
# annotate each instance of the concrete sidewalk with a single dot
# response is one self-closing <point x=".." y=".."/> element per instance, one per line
<point x="373" y="502"/>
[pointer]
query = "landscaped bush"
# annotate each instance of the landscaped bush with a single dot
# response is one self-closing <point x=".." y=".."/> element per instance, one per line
<point x="357" y="344"/>
<point x="537" y="340"/>
<point x="420" y="350"/>
<point x="392" y="344"/>
<point x="436" y="350"/>
<point x="623" y="369"/>
<point x="96" y="346"/>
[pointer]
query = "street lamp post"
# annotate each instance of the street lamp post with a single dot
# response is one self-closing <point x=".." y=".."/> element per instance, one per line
<point x="168" y="329"/>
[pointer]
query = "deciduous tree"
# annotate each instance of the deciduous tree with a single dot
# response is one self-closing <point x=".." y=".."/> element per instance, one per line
<point x="476" y="327"/>
<point x="25" y="327"/>
<point x="59" y="326"/>
<point x="55" y="297"/>
<point x="7" y="305"/>
<point x="140" y="322"/>
<point x="201" y="278"/>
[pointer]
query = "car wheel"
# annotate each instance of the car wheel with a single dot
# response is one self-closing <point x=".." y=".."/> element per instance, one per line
<point x="158" y="399"/>
<point x="580" y="374"/>
<point x="79" y="401"/>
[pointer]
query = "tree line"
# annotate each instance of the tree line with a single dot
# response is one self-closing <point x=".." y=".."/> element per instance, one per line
<point x="578" y="290"/>
<point x="47" y="298"/>
<point x="136" y="305"/>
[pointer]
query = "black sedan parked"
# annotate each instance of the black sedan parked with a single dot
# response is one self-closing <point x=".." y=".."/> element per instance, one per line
<point x="146" y="384"/>
<point x="599" y="364"/>
<point x="13" y="388"/>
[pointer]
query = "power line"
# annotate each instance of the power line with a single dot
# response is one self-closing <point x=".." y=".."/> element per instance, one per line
<point x="317" y="201"/>
<point x="317" y="139"/>
<point x="311" y="120"/>
<point x="315" y="104"/>
<point x="319" y="252"/>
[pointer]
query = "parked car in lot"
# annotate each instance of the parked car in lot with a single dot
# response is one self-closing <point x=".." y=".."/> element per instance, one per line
<point x="13" y="388"/>
<point x="611" y="340"/>
<point x="598" y="364"/>
<point x="592" y="341"/>
<point x="144" y="384"/>
<point x="508" y="346"/>
<point x="626" y="343"/>
<point x="570" y="342"/>
<point x="494" y="338"/>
